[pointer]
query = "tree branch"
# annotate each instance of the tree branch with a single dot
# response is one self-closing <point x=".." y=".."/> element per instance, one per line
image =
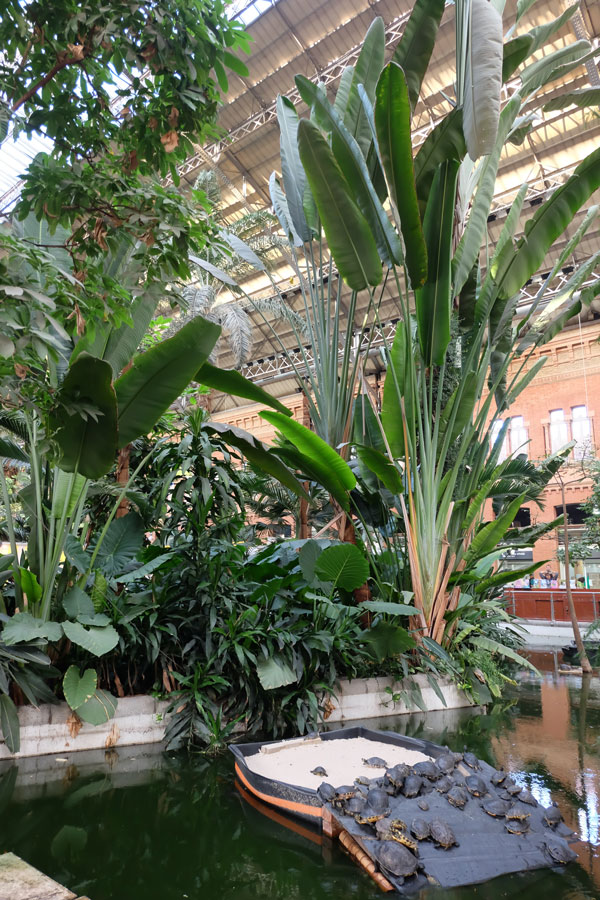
<point x="56" y="68"/>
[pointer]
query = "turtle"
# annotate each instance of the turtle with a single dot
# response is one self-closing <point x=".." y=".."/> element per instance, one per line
<point x="458" y="756"/>
<point x="362" y="780"/>
<point x="354" y="805"/>
<point x="442" y="834"/>
<point x="445" y="763"/>
<point x="476" y="785"/>
<point x="343" y="793"/>
<point x="457" y="796"/>
<point x="498" y="777"/>
<point x="444" y="784"/>
<point x="326" y="792"/>
<point x="517" y="826"/>
<point x="512" y="788"/>
<point x="382" y="829"/>
<point x="427" y="769"/>
<point x="420" y="828"/>
<point x="369" y="816"/>
<point x="320" y="771"/>
<point x="412" y="785"/>
<point x="471" y="760"/>
<point x="423" y="804"/>
<point x="559" y="851"/>
<point x="375" y="762"/>
<point x="517" y="812"/>
<point x="378" y="799"/>
<point x="495" y="807"/>
<point x="527" y="797"/>
<point x="552" y="816"/>
<point x="396" y="775"/>
<point x="397" y="861"/>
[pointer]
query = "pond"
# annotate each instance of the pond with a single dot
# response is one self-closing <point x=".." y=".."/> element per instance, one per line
<point x="138" y="824"/>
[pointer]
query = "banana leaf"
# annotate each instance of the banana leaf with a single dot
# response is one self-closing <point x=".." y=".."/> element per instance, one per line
<point x="415" y="47"/>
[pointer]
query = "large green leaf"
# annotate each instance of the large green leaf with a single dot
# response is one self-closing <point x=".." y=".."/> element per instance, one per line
<point x="393" y="391"/>
<point x="349" y="237"/>
<point x="495" y="647"/>
<point x="294" y="177"/>
<point x="582" y="99"/>
<point x="446" y="141"/>
<point x="392" y="123"/>
<point x="100" y="707"/>
<point x="381" y="466"/>
<point x="231" y="382"/>
<point x="274" y="672"/>
<point x="121" y="545"/>
<point x="390" y="609"/>
<point x="541" y="33"/>
<point x="77" y="603"/>
<point x="433" y="301"/>
<point x="415" y="47"/>
<point x="66" y="493"/>
<point x="513" y="268"/>
<point x="24" y="627"/>
<point x="79" y="688"/>
<point x="366" y="72"/>
<point x="258" y="455"/>
<point x="84" y="420"/>
<point x="11" y="450"/>
<point x="488" y="537"/>
<point x="343" y="566"/>
<point x="158" y="377"/>
<point x="95" y="639"/>
<point x="282" y="211"/>
<point x="549" y="67"/>
<point x="388" y="639"/>
<point x="351" y="161"/>
<point x="515" y="52"/>
<point x="9" y="724"/>
<point x="481" y="108"/>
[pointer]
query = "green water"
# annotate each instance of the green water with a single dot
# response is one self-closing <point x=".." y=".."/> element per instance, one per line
<point x="141" y="825"/>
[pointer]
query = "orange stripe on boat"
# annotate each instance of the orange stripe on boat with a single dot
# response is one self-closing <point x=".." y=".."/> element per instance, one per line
<point x="266" y="810"/>
<point x="292" y="806"/>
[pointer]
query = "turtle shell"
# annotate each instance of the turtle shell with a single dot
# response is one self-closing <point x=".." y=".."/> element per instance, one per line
<point x="527" y="797"/>
<point x="457" y="796"/>
<point x="382" y="829"/>
<point x="378" y="799"/>
<point x="397" y="774"/>
<point x="375" y="762"/>
<point x="363" y="780"/>
<point x="512" y="788"/>
<point x="326" y="792"/>
<point x="498" y="777"/>
<point x="427" y="769"/>
<point x="369" y="816"/>
<point x="423" y="804"/>
<point x="476" y="785"/>
<point x="552" y="816"/>
<point x="420" y="828"/>
<point x="471" y="760"/>
<point x="559" y="851"/>
<point x="345" y="792"/>
<point x="445" y="763"/>
<point x="355" y="805"/>
<point x="495" y="807"/>
<point x="397" y="860"/>
<point x="441" y="833"/>
<point x="517" y="826"/>
<point x="319" y="770"/>
<point x="444" y="784"/>
<point x="412" y="785"/>
<point x="517" y="812"/>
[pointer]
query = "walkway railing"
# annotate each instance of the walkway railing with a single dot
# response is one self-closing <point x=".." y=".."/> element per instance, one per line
<point x="551" y="605"/>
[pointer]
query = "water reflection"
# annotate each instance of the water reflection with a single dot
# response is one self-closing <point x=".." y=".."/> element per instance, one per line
<point x="149" y="826"/>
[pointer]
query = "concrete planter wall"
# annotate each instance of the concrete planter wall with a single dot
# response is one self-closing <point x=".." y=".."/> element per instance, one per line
<point x="52" y="729"/>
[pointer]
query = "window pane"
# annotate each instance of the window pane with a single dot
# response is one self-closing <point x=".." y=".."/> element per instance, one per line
<point x="495" y="434"/>
<point x="518" y="435"/>
<point x="558" y="429"/>
<point x="582" y="432"/>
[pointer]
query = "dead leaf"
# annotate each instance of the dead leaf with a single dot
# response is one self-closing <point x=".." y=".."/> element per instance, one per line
<point x="153" y="123"/>
<point x="173" y="117"/>
<point x="148" y="52"/>
<point x="328" y="708"/>
<point x="113" y="736"/>
<point x="170" y="140"/>
<point x="148" y="238"/>
<point x="77" y="51"/>
<point x="20" y="371"/>
<point x="74" y="724"/>
<point x="119" y="686"/>
<point x="99" y="233"/>
<point x="80" y="321"/>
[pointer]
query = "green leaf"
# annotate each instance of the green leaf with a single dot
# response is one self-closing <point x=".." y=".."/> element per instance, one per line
<point x="415" y="47"/>
<point x="68" y="843"/>
<point x="146" y="569"/>
<point x="77" y="603"/>
<point x="548" y="68"/>
<point x="387" y="639"/>
<point x="121" y="545"/>
<point x="343" y="565"/>
<point x="343" y="92"/>
<point x="213" y="270"/>
<point x="581" y="99"/>
<point x="294" y="177"/>
<point x="96" y="640"/>
<point x="483" y="83"/>
<point x="10" y="450"/>
<point x="236" y="65"/>
<point x="118" y="344"/>
<point x="158" y="377"/>
<point x="392" y="123"/>
<point x="433" y="301"/>
<point x="76" y="555"/>
<point x="79" y="688"/>
<point x="100" y="707"/>
<point x="274" y="672"/>
<point x="307" y="559"/>
<point x="24" y="627"/>
<point x="30" y="585"/>
<point x="446" y="141"/>
<point x="337" y="475"/>
<point x="382" y="467"/>
<point x="513" y="267"/>
<point x="515" y="52"/>
<point x="393" y="391"/>
<point x="390" y="609"/>
<point x="366" y="71"/>
<point x="541" y="33"/>
<point x="87" y="439"/>
<point x="258" y="455"/>
<point x="66" y="494"/>
<point x="351" y="161"/>
<point x="231" y="382"/>
<point x="280" y="205"/>
<point x="9" y="724"/>
<point x="350" y="240"/>
<point x="488" y="537"/>
<point x="495" y="647"/>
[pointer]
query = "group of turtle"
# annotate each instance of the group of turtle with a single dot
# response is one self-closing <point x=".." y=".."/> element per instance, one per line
<point x="457" y="777"/>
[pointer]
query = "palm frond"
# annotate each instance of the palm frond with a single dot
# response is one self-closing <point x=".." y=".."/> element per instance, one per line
<point x="236" y="324"/>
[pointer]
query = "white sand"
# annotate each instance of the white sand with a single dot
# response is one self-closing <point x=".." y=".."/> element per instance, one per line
<point x="341" y="759"/>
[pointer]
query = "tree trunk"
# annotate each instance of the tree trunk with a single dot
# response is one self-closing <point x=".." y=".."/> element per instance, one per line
<point x="123" y="477"/>
<point x="304" y="531"/>
<point x="585" y="663"/>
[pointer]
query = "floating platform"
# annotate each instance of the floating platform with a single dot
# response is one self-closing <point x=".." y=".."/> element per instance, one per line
<point x="475" y="845"/>
<point x="20" y="881"/>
